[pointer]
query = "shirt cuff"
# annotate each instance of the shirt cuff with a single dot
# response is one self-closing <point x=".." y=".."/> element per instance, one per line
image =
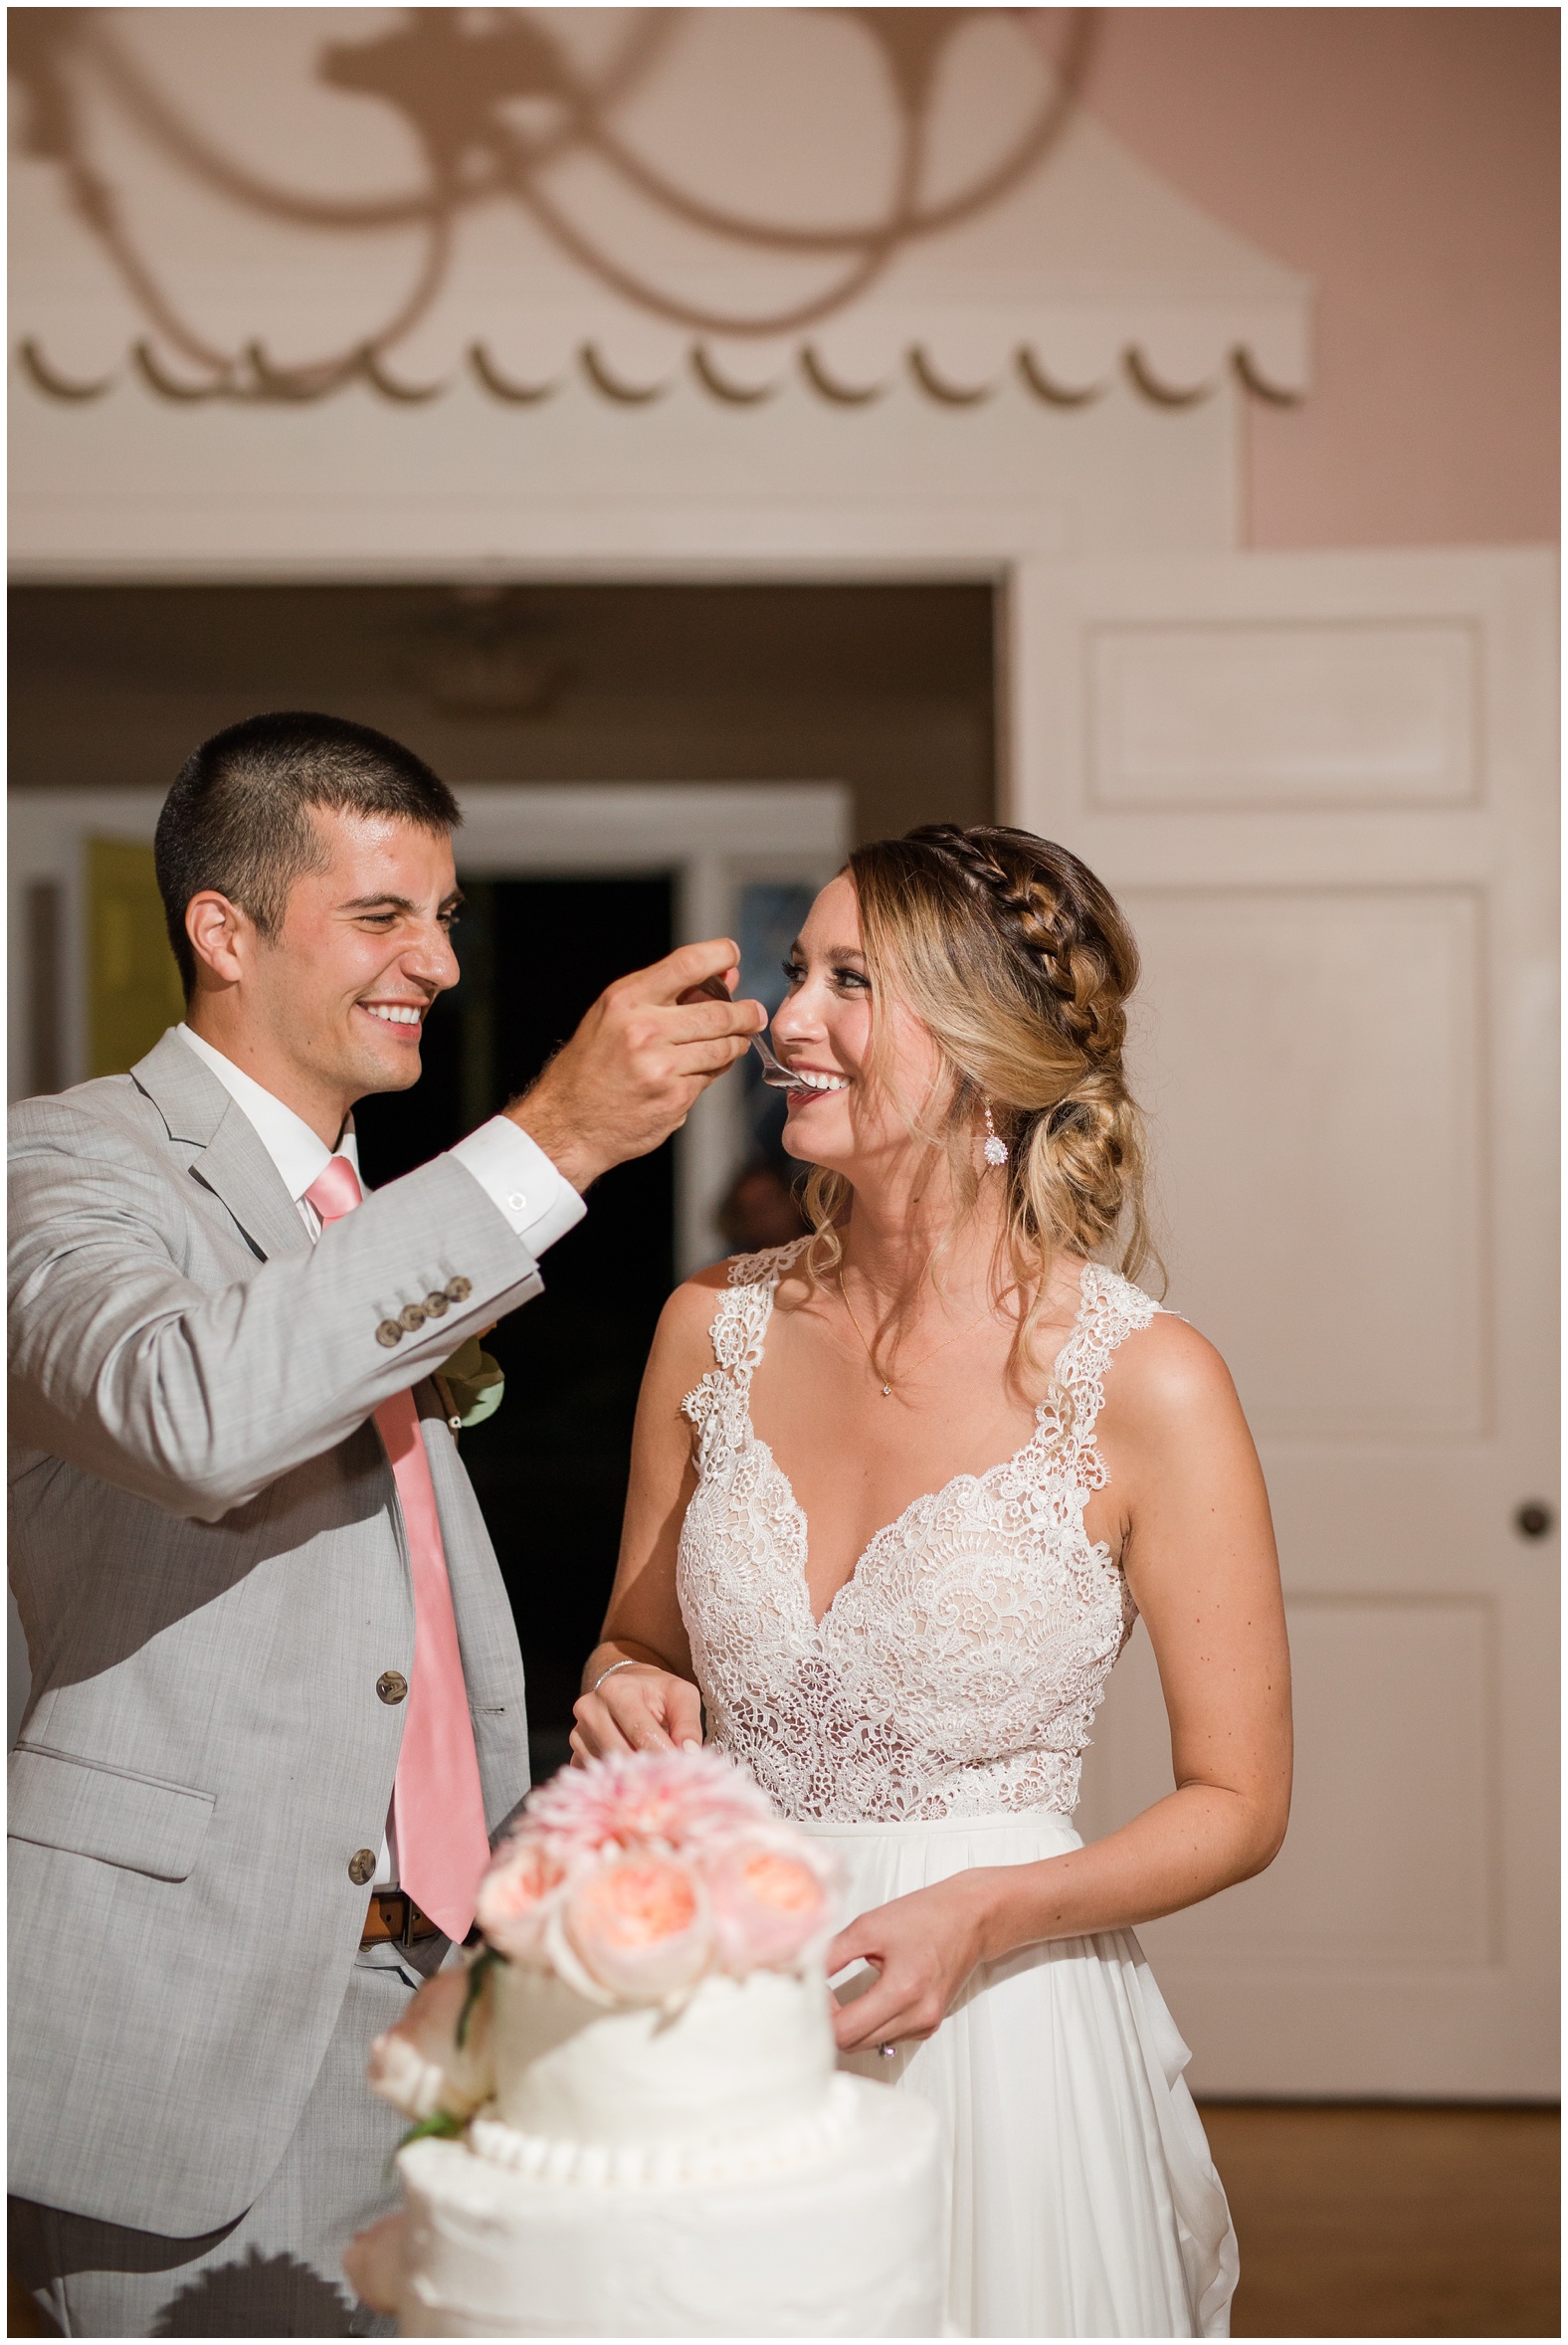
<point x="521" y="1181"/>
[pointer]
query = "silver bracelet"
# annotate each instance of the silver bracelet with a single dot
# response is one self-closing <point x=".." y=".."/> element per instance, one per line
<point x="610" y="1672"/>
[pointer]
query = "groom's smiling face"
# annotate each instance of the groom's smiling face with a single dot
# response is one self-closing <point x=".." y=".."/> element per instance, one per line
<point x="341" y="991"/>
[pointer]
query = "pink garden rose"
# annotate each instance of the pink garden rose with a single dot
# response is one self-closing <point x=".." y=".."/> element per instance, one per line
<point x="516" y="1895"/>
<point x="676" y="1800"/>
<point x="419" y="2066"/>
<point x="636" y="1874"/>
<point x="641" y="1926"/>
<point x="770" y="1899"/>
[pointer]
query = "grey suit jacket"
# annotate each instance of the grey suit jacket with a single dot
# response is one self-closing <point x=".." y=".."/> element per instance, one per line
<point x="211" y="1570"/>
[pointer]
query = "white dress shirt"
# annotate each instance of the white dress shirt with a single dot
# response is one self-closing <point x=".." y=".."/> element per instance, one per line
<point x="513" y="1171"/>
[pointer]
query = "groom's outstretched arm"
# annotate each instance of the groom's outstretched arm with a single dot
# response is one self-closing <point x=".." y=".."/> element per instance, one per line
<point x="197" y="1401"/>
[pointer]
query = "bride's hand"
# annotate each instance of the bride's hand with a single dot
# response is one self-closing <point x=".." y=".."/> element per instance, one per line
<point x="639" y="1708"/>
<point x="923" y="1948"/>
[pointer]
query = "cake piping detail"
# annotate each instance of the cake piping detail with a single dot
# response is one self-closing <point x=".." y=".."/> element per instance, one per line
<point x="658" y="2165"/>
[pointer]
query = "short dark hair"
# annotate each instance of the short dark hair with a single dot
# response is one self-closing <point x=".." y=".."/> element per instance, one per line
<point x="237" y="819"/>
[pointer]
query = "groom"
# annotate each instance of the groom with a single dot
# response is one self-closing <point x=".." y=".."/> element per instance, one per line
<point x="278" y="1700"/>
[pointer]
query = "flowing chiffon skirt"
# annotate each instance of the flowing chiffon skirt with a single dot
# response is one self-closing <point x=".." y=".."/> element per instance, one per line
<point x="1082" y="2200"/>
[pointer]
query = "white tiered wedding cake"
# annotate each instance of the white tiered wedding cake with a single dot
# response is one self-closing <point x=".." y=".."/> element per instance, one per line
<point x="628" y="2113"/>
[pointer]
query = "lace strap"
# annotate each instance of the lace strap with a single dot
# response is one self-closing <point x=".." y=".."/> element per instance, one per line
<point x="1111" y="1309"/>
<point x="740" y="1323"/>
<point x="738" y="1334"/>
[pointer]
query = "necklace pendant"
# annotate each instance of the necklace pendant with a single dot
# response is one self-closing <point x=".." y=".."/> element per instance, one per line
<point x="887" y="1392"/>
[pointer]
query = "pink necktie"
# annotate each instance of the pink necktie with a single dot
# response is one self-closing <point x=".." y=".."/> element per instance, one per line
<point x="442" y="1845"/>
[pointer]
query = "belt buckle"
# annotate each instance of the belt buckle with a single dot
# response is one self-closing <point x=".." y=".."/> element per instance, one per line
<point x="406" y="1936"/>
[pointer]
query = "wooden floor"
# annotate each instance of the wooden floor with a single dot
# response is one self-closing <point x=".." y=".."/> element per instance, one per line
<point x="1391" y="2221"/>
<point x="1373" y="2222"/>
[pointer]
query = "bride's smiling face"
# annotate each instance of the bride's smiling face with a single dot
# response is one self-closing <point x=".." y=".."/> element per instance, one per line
<point x="823" y="1031"/>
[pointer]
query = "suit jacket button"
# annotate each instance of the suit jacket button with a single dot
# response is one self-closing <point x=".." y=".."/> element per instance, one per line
<point x="392" y="1686"/>
<point x="389" y="1333"/>
<point x="458" y="1290"/>
<point x="436" y="1305"/>
<point x="362" y="1866"/>
<point x="411" y="1316"/>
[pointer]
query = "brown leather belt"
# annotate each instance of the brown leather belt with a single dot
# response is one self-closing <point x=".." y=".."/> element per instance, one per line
<point x="394" y="1914"/>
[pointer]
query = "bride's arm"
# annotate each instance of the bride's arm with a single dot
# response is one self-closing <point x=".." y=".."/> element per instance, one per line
<point x="649" y="1701"/>
<point x="1197" y="1546"/>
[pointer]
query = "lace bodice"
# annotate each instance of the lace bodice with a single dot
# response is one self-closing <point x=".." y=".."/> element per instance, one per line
<point x="956" y="1672"/>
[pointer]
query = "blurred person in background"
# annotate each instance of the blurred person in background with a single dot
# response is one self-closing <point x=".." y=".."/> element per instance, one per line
<point x="760" y="1208"/>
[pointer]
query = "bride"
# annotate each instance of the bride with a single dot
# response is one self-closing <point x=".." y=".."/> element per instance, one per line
<point x="900" y="1492"/>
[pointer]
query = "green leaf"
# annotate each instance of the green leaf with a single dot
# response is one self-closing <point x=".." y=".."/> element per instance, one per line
<point x="479" y="1971"/>
<point x="440" y="2127"/>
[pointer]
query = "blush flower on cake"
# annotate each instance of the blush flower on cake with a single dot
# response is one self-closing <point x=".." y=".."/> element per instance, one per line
<point x="675" y="1800"/>
<point x="770" y="1902"/>
<point x="641" y="1926"/>
<point x="517" y="1896"/>
<point x="634" y="1878"/>
<point x="637" y="1875"/>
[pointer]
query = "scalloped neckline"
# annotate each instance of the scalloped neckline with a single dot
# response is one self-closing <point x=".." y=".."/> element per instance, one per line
<point x="753" y="1439"/>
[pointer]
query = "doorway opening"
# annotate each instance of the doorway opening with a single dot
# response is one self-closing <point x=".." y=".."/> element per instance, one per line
<point x="550" y="1468"/>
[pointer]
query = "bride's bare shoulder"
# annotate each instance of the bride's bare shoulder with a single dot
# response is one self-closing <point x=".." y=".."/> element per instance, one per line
<point x="683" y="1349"/>
<point x="1166" y="1379"/>
<point x="686" y="1320"/>
<point x="688" y="1314"/>
<point x="684" y="1343"/>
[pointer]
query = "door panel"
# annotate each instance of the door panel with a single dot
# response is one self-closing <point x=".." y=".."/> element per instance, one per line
<point x="1325" y="788"/>
<point x="1360" y="1139"/>
<point x="1285" y="713"/>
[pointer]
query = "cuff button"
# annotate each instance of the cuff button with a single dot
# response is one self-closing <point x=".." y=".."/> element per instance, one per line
<point x="412" y="1315"/>
<point x="389" y="1333"/>
<point x="436" y="1305"/>
<point x="458" y="1290"/>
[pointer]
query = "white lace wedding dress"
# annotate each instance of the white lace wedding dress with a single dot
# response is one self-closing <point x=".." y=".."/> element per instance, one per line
<point x="932" y="1720"/>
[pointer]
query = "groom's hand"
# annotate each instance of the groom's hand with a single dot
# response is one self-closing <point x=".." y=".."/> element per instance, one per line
<point x="645" y="1051"/>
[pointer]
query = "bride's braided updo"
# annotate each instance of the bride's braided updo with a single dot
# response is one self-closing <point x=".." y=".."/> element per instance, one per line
<point x="1017" y="961"/>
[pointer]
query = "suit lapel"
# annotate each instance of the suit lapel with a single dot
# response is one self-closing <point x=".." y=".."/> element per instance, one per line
<point x="238" y="1170"/>
<point x="232" y="1161"/>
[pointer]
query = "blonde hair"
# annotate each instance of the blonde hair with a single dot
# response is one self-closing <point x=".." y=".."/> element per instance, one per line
<point x="1019" y="963"/>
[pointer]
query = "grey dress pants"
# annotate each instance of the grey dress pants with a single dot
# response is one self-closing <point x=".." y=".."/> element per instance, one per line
<point x="276" y="2270"/>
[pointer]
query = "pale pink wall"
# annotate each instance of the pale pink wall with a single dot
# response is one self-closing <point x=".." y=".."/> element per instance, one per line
<point x="1406" y="159"/>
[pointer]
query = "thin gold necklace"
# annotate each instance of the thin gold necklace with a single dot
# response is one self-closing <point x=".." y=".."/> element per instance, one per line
<point x="885" y="1380"/>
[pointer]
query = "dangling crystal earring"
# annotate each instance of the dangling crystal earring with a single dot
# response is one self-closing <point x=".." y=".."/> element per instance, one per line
<point x="995" y="1145"/>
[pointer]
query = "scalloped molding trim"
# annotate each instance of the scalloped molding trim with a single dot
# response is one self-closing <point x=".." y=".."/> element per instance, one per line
<point x="258" y="382"/>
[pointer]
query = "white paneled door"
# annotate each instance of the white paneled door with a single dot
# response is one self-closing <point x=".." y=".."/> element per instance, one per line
<point x="1324" y="787"/>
